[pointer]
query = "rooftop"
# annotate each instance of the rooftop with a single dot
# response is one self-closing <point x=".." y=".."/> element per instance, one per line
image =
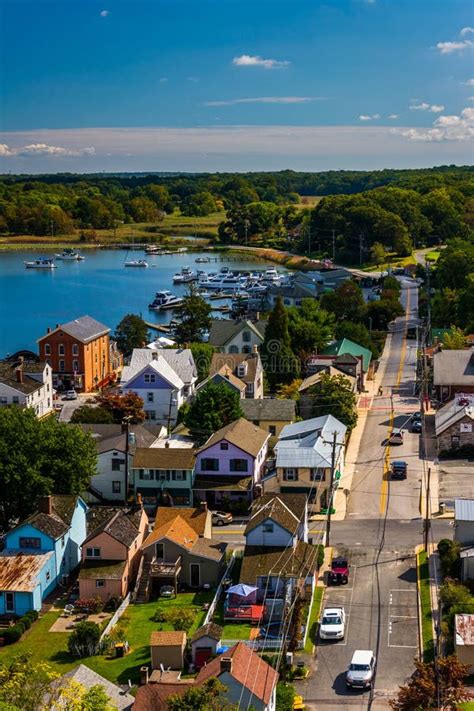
<point x="454" y="367"/>
<point x="164" y="458"/>
<point x="464" y="629"/>
<point x="208" y="630"/>
<point x="277" y="511"/>
<point x="56" y="523"/>
<point x="344" y="346"/>
<point x="307" y="443"/>
<point x="269" y="408"/>
<point x="330" y="370"/>
<point x="168" y="639"/>
<point x="18" y="571"/>
<point x="464" y="510"/>
<point x="98" y="569"/>
<point x="84" y="329"/>
<point x="121" y="523"/>
<point x="451" y="413"/>
<point x="241" y="433"/>
<point x="109" y="437"/>
<point x="179" y="360"/>
<point x="223" y="330"/>
<point x="233" y="360"/>
<point x="295" y="562"/>
<point x="88" y="678"/>
<point x="8" y="375"/>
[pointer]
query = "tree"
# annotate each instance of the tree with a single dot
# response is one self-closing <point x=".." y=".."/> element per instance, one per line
<point x="202" y="354"/>
<point x="454" y="340"/>
<point x="377" y="253"/>
<point x="131" y="332"/>
<point x="359" y="333"/>
<point x="195" y="318"/>
<point x="333" y="395"/>
<point x="39" y="457"/>
<point x="346" y="302"/>
<point x="285" y="696"/>
<point x="199" y="205"/>
<point x="449" y="555"/>
<point x="87" y="414"/>
<point x="310" y="327"/>
<point x="421" y="692"/>
<point x="280" y="364"/>
<point x="290" y="391"/>
<point x="215" y="405"/>
<point x="209" y="697"/>
<point x="380" y="313"/>
<point x="390" y="283"/>
<point x="84" y="639"/>
<point x="122" y="406"/>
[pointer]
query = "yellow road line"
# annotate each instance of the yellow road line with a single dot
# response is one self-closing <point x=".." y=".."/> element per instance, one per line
<point x="386" y="461"/>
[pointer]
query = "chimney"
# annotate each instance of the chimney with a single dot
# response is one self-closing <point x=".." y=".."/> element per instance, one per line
<point x="45" y="504"/>
<point x="226" y="664"/>
<point x="255" y="348"/>
<point x="19" y="373"/>
<point x="48" y="330"/>
<point x="139" y="500"/>
<point x="144" y="675"/>
<point x="257" y="315"/>
<point x="167" y="444"/>
<point x="154" y="355"/>
<point x="203" y="505"/>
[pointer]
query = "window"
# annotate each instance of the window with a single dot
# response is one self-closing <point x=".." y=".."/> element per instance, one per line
<point x="146" y="474"/>
<point x="150" y="414"/>
<point x="272" y="429"/>
<point x="15" y="399"/>
<point x="62" y="367"/>
<point x="224" y="445"/>
<point x="290" y="475"/>
<point x="159" y="551"/>
<point x="246" y="336"/>
<point x="163" y="475"/>
<point x="92" y="552"/>
<point x="455" y="441"/>
<point x="239" y="465"/>
<point x="100" y="583"/>
<point x="75" y="349"/>
<point x="48" y="575"/>
<point x="209" y="465"/>
<point x="250" y="388"/>
<point x="62" y="542"/>
<point x="47" y="349"/>
<point x="75" y="365"/>
<point x="61" y="349"/>
<point x="152" y="378"/>
<point x="181" y="475"/>
<point x="116" y="487"/>
<point x="116" y="464"/>
<point x="30" y="542"/>
<point x="3" y="400"/>
<point x="267" y="527"/>
<point x="233" y="349"/>
<point x="149" y="378"/>
<point x="149" y="397"/>
<point x="318" y="474"/>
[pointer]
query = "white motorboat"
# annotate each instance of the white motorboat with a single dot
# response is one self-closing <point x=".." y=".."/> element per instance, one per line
<point x="136" y="263"/>
<point x="271" y="276"/>
<point x="154" y="249"/>
<point x="184" y="276"/>
<point x="41" y="263"/>
<point x="165" y="300"/>
<point x="202" y="260"/>
<point x="70" y="255"/>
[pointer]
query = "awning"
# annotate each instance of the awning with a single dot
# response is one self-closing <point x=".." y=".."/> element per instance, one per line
<point x="242" y="589"/>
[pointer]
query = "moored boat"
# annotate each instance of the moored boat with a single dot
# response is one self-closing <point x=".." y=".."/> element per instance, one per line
<point x="165" y="300"/>
<point x="184" y="276"/>
<point x="41" y="263"/>
<point x="70" y="255"/>
<point x="136" y="263"/>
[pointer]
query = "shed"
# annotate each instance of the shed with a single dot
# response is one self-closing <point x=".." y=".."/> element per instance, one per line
<point x="464" y="639"/>
<point x="167" y="648"/>
<point x="205" y="643"/>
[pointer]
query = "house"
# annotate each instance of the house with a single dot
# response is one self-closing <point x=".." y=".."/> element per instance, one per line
<point x="322" y="280"/>
<point x="239" y="336"/>
<point x="304" y="457"/>
<point x="467" y="563"/>
<point x="40" y="552"/>
<point x="110" y="483"/>
<point x="167" y="649"/>
<point x="111" y="552"/>
<point x="87" y="678"/>
<point x="347" y="353"/>
<point x="225" y="375"/>
<point x="464" y="639"/>
<point x="180" y="550"/>
<point x="164" y="378"/>
<point x="27" y="383"/>
<point x="230" y="464"/>
<point x="307" y="399"/>
<point x="278" y="519"/>
<point x="291" y="294"/>
<point x="81" y="355"/>
<point x="247" y="367"/>
<point x="453" y="373"/>
<point x="454" y="424"/>
<point x="254" y="690"/>
<point x="270" y="414"/>
<point x="205" y="643"/>
<point x="163" y="476"/>
<point x="464" y="521"/>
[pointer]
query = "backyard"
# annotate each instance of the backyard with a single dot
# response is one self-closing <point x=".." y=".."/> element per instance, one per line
<point x="136" y="624"/>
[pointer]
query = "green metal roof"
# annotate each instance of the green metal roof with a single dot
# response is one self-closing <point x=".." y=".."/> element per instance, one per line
<point x="344" y="346"/>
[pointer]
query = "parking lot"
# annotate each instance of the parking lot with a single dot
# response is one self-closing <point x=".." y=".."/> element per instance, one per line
<point x="455" y="479"/>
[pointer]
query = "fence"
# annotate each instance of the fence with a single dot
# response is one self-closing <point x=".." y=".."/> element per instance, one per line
<point x="213" y="605"/>
<point x="257" y="645"/>
<point x="116" y="616"/>
<point x="307" y="630"/>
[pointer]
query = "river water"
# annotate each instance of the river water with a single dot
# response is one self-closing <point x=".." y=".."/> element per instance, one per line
<point x="100" y="286"/>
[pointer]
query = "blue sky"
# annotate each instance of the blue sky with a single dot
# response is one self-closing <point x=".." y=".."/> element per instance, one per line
<point x="235" y="85"/>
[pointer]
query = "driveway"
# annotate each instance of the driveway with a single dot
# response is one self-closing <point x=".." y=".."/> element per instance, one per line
<point x="68" y="406"/>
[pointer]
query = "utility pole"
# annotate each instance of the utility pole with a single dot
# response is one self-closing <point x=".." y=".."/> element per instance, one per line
<point x="331" y="486"/>
<point x="126" y="428"/>
<point x="51" y="224"/>
<point x="361" y="247"/>
<point x="333" y="244"/>
<point x="427" y="513"/>
<point x="428" y="293"/>
<point x="309" y="239"/>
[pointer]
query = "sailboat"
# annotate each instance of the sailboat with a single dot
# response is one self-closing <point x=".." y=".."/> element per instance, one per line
<point x="135" y="262"/>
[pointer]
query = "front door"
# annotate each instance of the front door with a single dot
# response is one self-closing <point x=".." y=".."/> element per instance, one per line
<point x="9" y="602"/>
<point x="195" y="575"/>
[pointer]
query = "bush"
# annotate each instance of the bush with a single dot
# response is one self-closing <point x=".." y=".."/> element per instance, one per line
<point x="33" y="614"/>
<point x="26" y="622"/>
<point x="84" y="640"/>
<point x="13" y="634"/>
<point x="181" y="620"/>
<point x="285" y="695"/>
<point x="93" y="604"/>
<point x="320" y="559"/>
<point x="466" y="451"/>
<point x="449" y="555"/>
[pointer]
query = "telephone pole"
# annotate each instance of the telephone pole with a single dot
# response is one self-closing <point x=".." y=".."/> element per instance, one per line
<point x="331" y="485"/>
<point x="427" y="512"/>
<point x="361" y="248"/>
<point x="333" y="244"/>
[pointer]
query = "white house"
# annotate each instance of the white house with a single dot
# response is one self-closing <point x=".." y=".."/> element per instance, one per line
<point x="27" y="383"/>
<point x="464" y="521"/>
<point x="164" y="378"/>
<point x="239" y="336"/>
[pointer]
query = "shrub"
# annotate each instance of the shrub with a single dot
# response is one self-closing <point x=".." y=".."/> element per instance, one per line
<point x="181" y="619"/>
<point x="13" y="634"/>
<point x="449" y="555"/>
<point x="84" y="640"/>
<point x="320" y="559"/>
<point x="159" y="616"/>
<point x="93" y="604"/>
<point x="33" y="614"/>
<point x="26" y="622"/>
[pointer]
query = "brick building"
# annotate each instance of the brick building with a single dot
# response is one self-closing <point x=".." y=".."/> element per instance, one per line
<point x="81" y="354"/>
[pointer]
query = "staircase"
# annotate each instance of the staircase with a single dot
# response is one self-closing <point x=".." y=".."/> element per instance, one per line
<point x="142" y="584"/>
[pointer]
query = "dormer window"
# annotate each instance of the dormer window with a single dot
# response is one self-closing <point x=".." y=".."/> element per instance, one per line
<point x="242" y="370"/>
<point x="267" y="527"/>
<point x="224" y="445"/>
<point x="246" y="336"/>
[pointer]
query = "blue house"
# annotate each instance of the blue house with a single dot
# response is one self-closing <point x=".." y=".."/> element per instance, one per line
<point x="40" y="551"/>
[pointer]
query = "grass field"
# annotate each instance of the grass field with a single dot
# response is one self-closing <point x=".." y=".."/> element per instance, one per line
<point x="314" y="618"/>
<point x="433" y="256"/>
<point x="425" y="599"/>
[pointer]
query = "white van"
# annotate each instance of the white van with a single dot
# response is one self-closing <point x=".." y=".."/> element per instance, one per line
<point x="361" y="670"/>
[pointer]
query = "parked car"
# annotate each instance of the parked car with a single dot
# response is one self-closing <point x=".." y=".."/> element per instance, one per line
<point x="396" y="437"/>
<point x="416" y="426"/>
<point x="221" y="518"/>
<point x="339" y="573"/>
<point x="398" y="470"/>
<point x="361" y="670"/>
<point x="71" y="395"/>
<point x="167" y="591"/>
<point x="333" y="622"/>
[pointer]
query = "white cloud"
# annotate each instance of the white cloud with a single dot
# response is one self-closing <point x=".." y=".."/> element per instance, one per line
<point x="469" y="82"/>
<point x="44" y="149"/>
<point x="470" y="98"/>
<point x="247" y="60"/>
<point x="445" y="128"/>
<point x="163" y="80"/>
<point x="369" y="117"/>
<point x="456" y="46"/>
<point x="393" y="116"/>
<point x="193" y="79"/>
<point x="466" y="31"/>
<point x="266" y="100"/>
<point x="104" y="13"/>
<point x="424" y="106"/>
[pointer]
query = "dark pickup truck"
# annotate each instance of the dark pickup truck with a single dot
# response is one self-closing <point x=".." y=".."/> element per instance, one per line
<point x="399" y="470"/>
<point x="339" y="573"/>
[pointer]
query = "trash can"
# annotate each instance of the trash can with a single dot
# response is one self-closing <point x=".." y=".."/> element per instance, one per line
<point x="119" y="650"/>
<point x="442" y="507"/>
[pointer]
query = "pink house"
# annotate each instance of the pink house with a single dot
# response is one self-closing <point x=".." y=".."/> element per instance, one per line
<point x="111" y="552"/>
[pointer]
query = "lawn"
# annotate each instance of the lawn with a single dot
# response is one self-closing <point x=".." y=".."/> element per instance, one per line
<point x="231" y="630"/>
<point x="425" y="598"/>
<point x="314" y="618"/>
<point x="51" y="647"/>
<point x="433" y="256"/>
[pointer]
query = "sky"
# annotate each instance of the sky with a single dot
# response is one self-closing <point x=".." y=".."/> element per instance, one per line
<point x="224" y="85"/>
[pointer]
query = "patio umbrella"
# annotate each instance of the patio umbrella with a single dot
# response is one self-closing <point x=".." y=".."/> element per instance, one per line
<point x="242" y="589"/>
